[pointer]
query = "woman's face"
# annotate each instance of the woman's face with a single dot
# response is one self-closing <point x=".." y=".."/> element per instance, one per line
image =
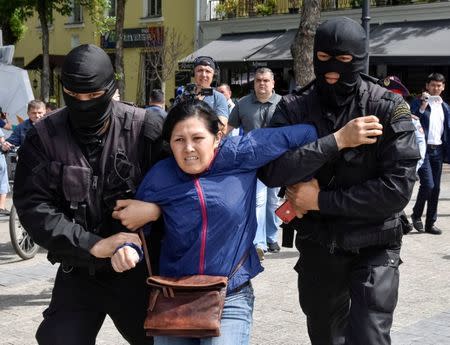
<point x="193" y="145"/>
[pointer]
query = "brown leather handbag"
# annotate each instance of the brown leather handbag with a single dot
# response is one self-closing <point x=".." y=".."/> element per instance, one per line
<point x="189" y="307"/>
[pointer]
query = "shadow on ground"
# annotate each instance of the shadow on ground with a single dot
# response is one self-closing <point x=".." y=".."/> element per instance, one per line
<point x="281" y="255"/>
<point x="13" y="301"/>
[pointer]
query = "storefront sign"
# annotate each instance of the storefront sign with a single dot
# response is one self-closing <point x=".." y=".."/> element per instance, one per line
<point x="151" y="37"/>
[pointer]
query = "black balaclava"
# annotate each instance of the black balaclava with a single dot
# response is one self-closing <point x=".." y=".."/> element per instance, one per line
<point x="87" y="69"/>
<point x="339" y="36"/>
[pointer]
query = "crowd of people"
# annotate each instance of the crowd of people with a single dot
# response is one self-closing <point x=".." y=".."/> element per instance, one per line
<point x="203" y="180"/>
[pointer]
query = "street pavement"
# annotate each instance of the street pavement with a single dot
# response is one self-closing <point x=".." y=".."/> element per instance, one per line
<point x="422" y="315"/>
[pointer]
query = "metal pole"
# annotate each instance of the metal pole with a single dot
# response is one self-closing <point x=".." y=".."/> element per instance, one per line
<point x="365" y="19"/>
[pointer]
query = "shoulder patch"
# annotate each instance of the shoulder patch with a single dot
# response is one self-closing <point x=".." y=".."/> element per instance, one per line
<point x="400" y="111"/>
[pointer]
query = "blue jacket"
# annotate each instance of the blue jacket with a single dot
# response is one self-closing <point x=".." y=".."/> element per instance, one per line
<point x="425" y="122"/>
<point x="210" y="219"/>
<point x="19" y="133"/>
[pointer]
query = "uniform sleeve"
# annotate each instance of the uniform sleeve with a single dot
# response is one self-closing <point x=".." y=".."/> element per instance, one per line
<point x="291" y="167"/>
<point x="391" y="191"/>
<point x="38" y="205"/>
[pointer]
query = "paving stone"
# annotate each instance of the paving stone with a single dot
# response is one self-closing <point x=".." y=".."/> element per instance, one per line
<point x="422" y="315"/>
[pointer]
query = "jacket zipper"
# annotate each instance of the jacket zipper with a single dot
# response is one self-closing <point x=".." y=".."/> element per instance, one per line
<point x="201" y="198"/>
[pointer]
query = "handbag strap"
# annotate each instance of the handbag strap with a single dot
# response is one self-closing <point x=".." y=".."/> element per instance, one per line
<point x="149" y="266"/>
<point x="146" y="256"/>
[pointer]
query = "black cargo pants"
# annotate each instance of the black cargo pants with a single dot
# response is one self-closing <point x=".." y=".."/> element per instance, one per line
<point x="80" y="302"/>
<point x="348" y="298"/>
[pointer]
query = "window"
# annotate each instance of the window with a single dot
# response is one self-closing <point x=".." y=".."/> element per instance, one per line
<point x="148" y="79"/>
<point x="112" y="11"/>
<point x="77" y="13"/>
<point x="152" y="8"/>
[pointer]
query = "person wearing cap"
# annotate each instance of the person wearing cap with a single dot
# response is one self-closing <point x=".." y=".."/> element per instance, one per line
<point x="434" y="115"/>
<point x="395" y="85"/>
<point x="73" y="167"/>
<point x="204" y="69"/>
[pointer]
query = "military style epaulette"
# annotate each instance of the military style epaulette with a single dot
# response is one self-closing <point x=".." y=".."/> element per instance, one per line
<point x="401" y="111"/>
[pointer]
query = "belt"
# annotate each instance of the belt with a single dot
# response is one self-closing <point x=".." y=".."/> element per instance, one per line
<point x="433" y="147"/>
<point x="87" y="270"/>
<point x="240" y="287"/>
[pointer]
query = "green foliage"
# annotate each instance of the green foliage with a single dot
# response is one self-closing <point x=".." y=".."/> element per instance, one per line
<point x="17" y="24"/>
<point x="97" y="10"/>
<point x="266" y="8"/>
<point x="227" y="8"/>
<point x="22" y="9"/>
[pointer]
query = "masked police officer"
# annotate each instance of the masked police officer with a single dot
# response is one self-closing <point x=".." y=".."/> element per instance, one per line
<point x="350" y="237"/>
<point x="73" y="166"/>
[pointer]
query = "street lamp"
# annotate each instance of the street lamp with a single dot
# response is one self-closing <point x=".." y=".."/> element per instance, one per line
<point x="365" y="18"/>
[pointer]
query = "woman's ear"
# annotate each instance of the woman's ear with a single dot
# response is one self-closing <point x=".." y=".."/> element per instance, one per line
<point x="219" y="136"/>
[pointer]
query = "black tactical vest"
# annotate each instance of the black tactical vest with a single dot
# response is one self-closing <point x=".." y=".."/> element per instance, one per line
<point x="88" y="192"/>
<point x="356" y="166"/>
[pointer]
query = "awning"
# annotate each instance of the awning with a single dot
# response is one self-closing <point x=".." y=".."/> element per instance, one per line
<point x="234" y="47"/>
<point x="279" y="49"/>
<point x="411" y="43"/>
<point x="54" y="61"/>
<point x="405" y="43"/>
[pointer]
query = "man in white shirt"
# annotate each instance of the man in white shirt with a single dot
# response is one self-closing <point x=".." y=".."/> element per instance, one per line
<point x="225" y="90"/>
<point x="434" y="115"/>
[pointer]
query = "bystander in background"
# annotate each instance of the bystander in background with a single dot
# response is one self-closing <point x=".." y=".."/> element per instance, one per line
<point x="434" y="115"/>
<point x="157" y="103"/>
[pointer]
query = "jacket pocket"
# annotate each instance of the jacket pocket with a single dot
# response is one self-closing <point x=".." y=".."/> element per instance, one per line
<point x="76" y="183"/>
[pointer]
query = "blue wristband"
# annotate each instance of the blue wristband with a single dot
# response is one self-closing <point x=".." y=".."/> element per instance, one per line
<point x="134" y="246"/>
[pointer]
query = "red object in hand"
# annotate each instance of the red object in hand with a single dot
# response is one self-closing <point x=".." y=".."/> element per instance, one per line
<point x="285" y="212"/>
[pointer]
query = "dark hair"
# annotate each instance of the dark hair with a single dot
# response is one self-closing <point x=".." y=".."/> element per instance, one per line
<point x="436" y="77"/>
<point x="51" y="105"/>
<point x="156" y="96"/>
<point x="185" y="110"/>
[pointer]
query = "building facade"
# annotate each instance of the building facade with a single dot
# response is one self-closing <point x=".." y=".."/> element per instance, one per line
<point x="408" y="38"/>
<point x="146" y="25"/>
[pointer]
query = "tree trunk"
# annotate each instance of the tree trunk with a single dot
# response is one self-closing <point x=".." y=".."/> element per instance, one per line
<point x="120" y="15"/>
<point x="302" y="47"/>
<point x="44" y="14"/>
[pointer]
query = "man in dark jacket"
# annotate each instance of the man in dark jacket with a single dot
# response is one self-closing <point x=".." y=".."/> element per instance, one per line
<point x="350" y="237"/>
<point x="434" y="115"/>
<point x="73" y="166"/>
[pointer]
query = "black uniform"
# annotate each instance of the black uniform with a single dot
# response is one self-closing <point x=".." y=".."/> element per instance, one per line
<point x="73" y="166"/>
<point x="349" y="250"/>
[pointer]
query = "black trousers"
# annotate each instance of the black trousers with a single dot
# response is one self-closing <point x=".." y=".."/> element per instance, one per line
<point x="348" y="298"/>
<point x="80" y="303"/>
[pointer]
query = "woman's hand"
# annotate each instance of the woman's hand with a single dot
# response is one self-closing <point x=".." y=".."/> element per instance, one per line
<point x="134" y="214"/>
<point x="359" y="131"/>
<point x="124" y="259"/>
